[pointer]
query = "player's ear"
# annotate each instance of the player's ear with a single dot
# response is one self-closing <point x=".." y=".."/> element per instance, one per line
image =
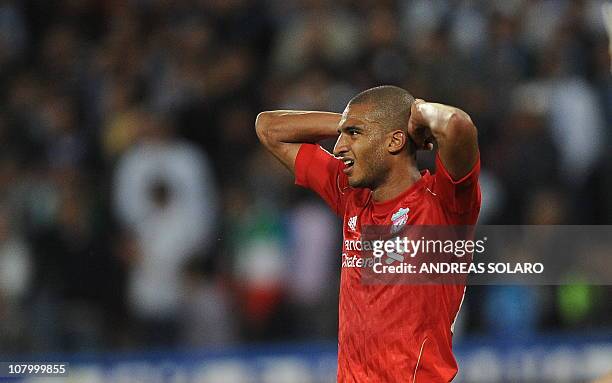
<point x="397" y="142"/>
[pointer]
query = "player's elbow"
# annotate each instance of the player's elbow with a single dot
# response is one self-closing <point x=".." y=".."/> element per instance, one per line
<point x="267" y="130"/>
<point x="262" y="127"/>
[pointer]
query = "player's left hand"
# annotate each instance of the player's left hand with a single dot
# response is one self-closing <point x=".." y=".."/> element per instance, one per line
<point x="418" y="130"/>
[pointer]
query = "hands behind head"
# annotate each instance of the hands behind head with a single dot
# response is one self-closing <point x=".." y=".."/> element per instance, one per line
<point x="418" y="130"/>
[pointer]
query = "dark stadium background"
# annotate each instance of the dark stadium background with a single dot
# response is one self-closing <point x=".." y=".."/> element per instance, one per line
<point x="141" y="223"/>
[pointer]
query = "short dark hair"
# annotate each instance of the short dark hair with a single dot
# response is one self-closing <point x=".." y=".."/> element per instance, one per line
<point x="390" y="105"/>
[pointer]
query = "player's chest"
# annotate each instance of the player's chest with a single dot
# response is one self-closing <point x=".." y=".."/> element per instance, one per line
<point x="392" y="219"/>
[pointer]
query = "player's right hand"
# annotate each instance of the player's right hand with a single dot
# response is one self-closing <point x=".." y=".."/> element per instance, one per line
<point x="418" y="131"/>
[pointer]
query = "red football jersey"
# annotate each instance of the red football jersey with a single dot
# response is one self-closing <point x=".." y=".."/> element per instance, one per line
<point x="393" y="332"/>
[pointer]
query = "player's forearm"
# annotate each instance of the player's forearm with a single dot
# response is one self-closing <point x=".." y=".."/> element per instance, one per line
<point x="447" y="124"/>
<point x="291" y="126"/>
<point x="455" y="135"/>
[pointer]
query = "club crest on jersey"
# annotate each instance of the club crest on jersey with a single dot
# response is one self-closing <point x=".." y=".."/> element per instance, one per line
<point x="399" y="219"/>
<point x="352" y="223"/>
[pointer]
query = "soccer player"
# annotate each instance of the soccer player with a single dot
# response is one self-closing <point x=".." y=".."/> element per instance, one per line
<point x="392" y="332"/>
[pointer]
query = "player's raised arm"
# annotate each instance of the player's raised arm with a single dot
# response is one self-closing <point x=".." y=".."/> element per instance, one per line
<point x="283" y="131"/>
<point x="451" y="128"/>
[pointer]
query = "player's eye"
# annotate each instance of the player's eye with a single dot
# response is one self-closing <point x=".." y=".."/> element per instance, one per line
<point x="352" y="131"/>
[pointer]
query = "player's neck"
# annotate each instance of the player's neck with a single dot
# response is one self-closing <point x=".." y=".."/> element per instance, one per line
<point x="399" y="179"/>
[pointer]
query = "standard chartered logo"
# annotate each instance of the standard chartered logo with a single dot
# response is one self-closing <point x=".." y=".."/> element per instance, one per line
<point x="357" y="261"/>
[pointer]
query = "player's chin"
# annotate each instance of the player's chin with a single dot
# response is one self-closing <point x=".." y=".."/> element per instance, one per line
<point x="354" y="181"/>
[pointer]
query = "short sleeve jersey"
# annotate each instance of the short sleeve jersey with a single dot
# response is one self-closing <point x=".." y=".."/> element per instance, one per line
<point x="393" y="332"/>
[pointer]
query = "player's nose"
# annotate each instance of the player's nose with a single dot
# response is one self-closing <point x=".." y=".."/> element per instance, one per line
<point x="341" y="146"/>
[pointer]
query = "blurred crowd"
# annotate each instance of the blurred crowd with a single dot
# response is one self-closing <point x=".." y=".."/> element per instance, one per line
<point x="137" y="209"/>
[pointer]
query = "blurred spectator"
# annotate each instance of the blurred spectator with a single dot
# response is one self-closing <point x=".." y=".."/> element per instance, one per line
<point x="207" y="317"/>
<point x="313" y="239"/>
<point x="525" y="154"/>
<point x="574" y="103"/>
<point x="74" y="291"/>
<point x="492" y="197"/>
<point x="13" y="33"/>
<point x="165" y="194"/>
<point x="260" y="272"/>
<point x="15" y="283"/>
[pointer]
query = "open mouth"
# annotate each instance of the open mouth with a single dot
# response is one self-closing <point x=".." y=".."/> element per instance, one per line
<point x="348" y="164"/>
